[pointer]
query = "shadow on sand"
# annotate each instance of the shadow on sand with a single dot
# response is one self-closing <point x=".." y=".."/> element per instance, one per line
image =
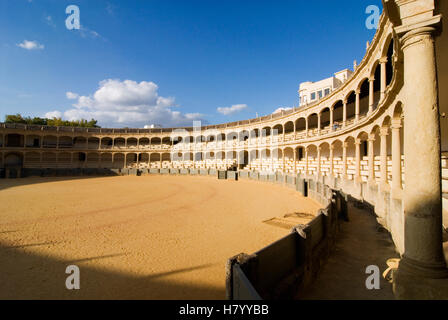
<point x="27" y="275"/>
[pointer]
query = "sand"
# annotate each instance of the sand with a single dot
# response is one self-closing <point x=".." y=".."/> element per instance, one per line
<point x="150" y="237"/>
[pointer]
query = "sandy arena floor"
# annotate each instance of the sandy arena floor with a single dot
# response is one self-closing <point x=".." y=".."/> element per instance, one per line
<point x="152" y="237"/>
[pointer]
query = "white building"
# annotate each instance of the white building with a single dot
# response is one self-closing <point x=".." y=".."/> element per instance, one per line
<point x="313" y="91"/>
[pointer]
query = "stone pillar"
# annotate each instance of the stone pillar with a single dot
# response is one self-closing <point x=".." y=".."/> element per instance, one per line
<point x="318" y="123"/>
<point x="423" y="254"/>
<point x="306" y="126"/>
<point x="344" y="113"/>
<point x="331" y="160"/>
<point x="383" y="62"/>
<point x="306" y="160"/>
<point x="357" y="92"/>
<point x="358" y="160"/>
<point x="396" y="156"/>
<point x="295" y="161"/>
<point x="371" y="159"/>
<point x="371" y="94"/>
<point x="344" y="159"/>
<point x="331" y="118"/>
<point x="161" y="161"/>
<point x="318" y="161"/>
<point x="384" y="132"/>
<point x="283" y="161"/>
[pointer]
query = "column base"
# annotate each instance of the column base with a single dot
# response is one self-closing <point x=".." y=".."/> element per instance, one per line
<point x="424" y="270"/>
<point x="408" y="286"/>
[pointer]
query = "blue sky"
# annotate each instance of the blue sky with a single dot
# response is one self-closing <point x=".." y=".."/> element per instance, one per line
<point x="167" y="62"/>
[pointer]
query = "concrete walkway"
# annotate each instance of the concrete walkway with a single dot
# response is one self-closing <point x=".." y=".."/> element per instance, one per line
<point x="361" y="242"/>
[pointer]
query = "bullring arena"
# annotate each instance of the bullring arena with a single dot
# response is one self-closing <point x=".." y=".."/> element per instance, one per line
<point x="166" y="225"/>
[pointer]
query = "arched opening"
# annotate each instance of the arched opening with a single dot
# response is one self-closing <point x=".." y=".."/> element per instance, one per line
<point x="106" y="160"/>
<point x="106" y="143"/>
<point x="31" y="141"/>
<point x="120" y="143"/>
<point x="244" y="136"/>
<point x="93" y="143"/>
<point x="32" y="160"/>
<point x="50" y="142"/>
<point x="132" y="143"/>
<point x="131" y="160"/>
<point x="337" y="158"/>
<point x="313" y="124"/>
<point x="93" y="160"/>
<point x="166" y="142"/>
<point x="243" y="159"/>
<point x="364" y="97"/>
<point x="144" y="143"/>
<point x="118" y="161"/>
<point x="351" y="107"/>
<point x="338" y="114"/>
<point x="289" y="127"/>
<point x="156" y="141"/>
<point x="154" y="160"/>
<point x="14" y="140"/>
<point x="301" y="125"/>
<point x="376" y="86"/>
<point x="325" y="119"/>
<point x="288" y="155"/>
<point x="166" y="160"/>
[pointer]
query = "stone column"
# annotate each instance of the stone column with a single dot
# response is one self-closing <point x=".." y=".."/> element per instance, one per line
<point x="331" y="160"/>
<point x="318" y="161"/>
<point x="384" y="132"/>
<point x="318" y="123"/>
<point x="295" y="161"/>
<point x="383" y="62"/>
<point x="306" y="160"/>
<point x="344" y="113"/>
<point x="344" y="159"/>
<point x="357" y="92"/>
<point x="396" y="156"/>
<point x="371" y="94"/>
<point x="306" y="126"/>
<point x="358" y="160"/>
<point x="283" y="161"/>
<point x="331" y="118"/>
<point x="371" y="159"/>
<point x="423" y="254"/>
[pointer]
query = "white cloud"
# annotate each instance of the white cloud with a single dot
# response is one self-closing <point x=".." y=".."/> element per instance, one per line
<point x="31" y="45"/>
<point x="233" y="109"/>
<point x="71" y="95"/>
<point x="281" y="109"/>
<point x="86" y="32"/>
<point x="128" y="103"/>
<point x="53" y="114"/>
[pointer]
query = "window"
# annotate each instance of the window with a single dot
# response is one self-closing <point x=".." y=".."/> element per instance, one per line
<point x="327" y="92"/>
<point x="320" y="94"/>
<point x="313" y="96"/>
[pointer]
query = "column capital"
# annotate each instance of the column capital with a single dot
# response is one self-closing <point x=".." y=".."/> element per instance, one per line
<point x="357" y="92"/>
<point x="383" y="60"/>
<point x="396" y="124"/>
<point x="332" y="147"/>
<point x="371" y="79"/>
<point x="417" y="35"/>
<point x="358" y="141"/>
<point x="345" y="145"/>
<point x="384" y="131"/>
